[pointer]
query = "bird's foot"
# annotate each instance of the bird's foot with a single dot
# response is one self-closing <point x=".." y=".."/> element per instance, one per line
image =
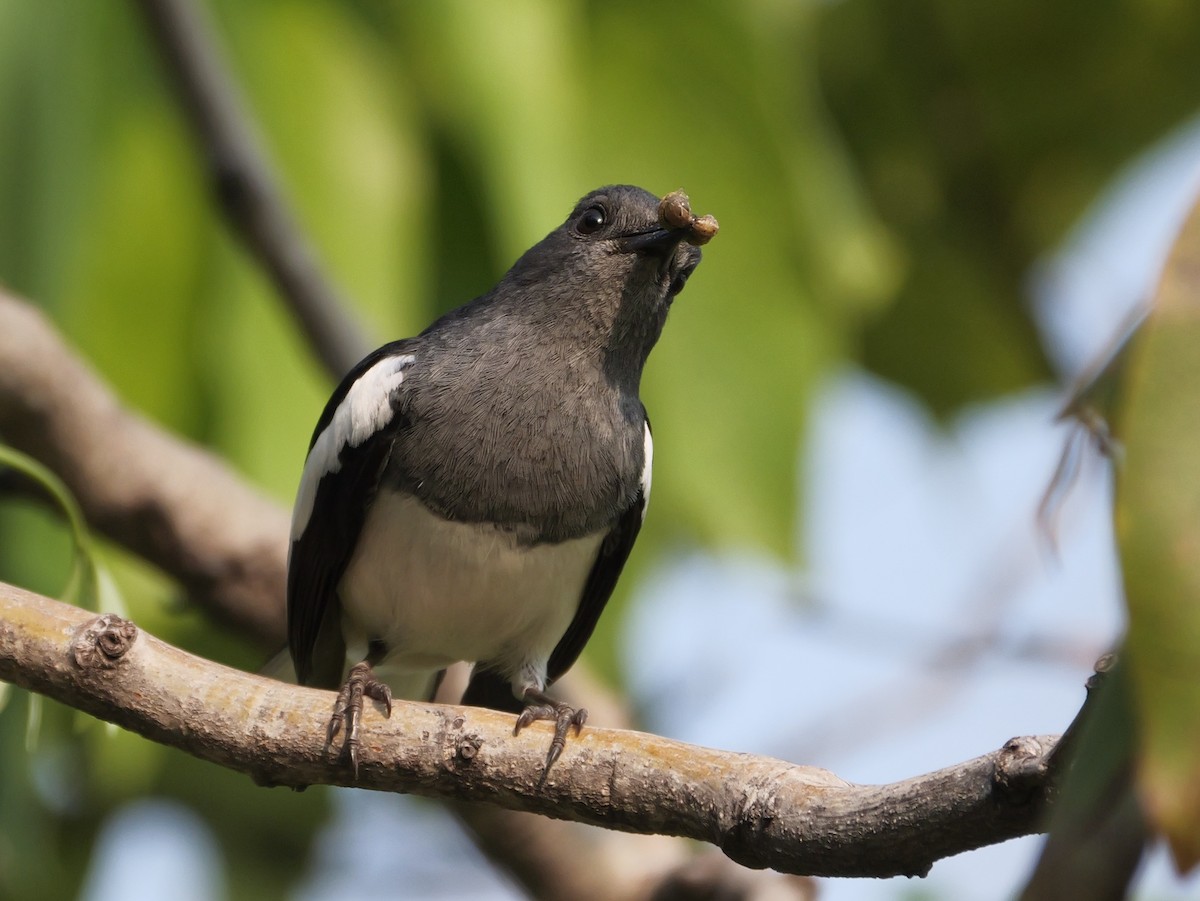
<point x="360" y="683"/>
<point x="564" y="716"/>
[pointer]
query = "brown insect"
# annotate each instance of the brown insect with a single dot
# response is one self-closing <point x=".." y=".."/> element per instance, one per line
<point x="675" y="211"/>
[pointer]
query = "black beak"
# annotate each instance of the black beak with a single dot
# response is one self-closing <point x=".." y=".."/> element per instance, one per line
<point x="655" y="240"/>
<point x="664" y="244"/>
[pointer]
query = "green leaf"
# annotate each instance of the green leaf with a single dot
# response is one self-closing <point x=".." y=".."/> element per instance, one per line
<point x="82" y="577"/>
<point x="1097" y="833"/>
<point x="89" y="584"/>
<point x="1158" y="520"/>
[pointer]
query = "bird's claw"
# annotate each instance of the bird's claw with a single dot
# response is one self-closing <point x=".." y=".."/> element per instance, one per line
<point x="360" y="683"/>
<point x="564" y="717"/>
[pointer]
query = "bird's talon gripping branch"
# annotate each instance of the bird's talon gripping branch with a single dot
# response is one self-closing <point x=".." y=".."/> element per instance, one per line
<point x="564" y="717"/>
<point x="347" y="709"/>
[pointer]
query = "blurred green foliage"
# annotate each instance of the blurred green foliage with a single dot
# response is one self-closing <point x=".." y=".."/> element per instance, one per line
<point x="885" y="171"/>
<point x="1158" y="519"/>
<point x="981" y="131"/>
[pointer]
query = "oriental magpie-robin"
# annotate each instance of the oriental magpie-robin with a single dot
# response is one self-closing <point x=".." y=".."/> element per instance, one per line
<point x="472" y="493"/>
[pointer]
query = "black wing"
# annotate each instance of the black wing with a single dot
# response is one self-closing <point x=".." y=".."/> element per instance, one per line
<point x="339" y="482"/>
<point x="598" y="589"/>
<point x="603" y="578"/>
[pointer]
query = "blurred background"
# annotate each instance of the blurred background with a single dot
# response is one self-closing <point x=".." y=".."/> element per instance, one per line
<point x="933" y="215"/>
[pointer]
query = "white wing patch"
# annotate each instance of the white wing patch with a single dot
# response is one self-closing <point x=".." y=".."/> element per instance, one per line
<point x="366" y="408"/>
<point x="647" y="466"/>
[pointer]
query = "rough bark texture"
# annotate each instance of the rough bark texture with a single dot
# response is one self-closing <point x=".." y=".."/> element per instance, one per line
<point x="761" y="812"/>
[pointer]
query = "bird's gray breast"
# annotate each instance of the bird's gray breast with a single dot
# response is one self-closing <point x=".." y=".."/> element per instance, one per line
<point x="551" y="453"/>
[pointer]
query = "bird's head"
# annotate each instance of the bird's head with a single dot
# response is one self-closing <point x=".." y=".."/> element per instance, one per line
<point x="616" y="263"/>
<point x="627" y="235"/>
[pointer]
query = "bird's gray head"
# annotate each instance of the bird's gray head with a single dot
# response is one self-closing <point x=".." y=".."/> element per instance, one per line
<point x="611" y="270"/>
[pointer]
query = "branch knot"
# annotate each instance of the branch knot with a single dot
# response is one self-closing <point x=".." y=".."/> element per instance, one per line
<point x="1021" y="767"/>
<point x="469" y="746"/>
<point x="103" y="641"/>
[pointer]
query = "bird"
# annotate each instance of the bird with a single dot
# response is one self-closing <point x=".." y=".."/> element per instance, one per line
<point x="473" y="493"/>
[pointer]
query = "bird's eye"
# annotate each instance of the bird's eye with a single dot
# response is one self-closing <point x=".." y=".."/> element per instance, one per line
<point x="591" y="221"/>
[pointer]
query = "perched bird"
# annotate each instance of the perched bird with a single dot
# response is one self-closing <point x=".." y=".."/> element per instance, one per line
<point x="471" y="494"/>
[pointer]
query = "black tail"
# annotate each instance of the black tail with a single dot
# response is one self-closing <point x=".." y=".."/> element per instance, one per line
<point x="488" y="689"/>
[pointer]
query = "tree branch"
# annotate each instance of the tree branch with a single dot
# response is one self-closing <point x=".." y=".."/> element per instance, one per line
<point x="761" y="812"/>
<point x="168" y="501"/>
<point x="243" y="183"/>
<point x="182" y="509"/>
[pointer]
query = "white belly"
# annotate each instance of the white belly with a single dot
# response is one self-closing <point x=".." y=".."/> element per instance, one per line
<point x="436" y="592"/>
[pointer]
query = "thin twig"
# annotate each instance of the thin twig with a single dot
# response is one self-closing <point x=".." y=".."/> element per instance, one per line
<point x="243" y="183"/>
